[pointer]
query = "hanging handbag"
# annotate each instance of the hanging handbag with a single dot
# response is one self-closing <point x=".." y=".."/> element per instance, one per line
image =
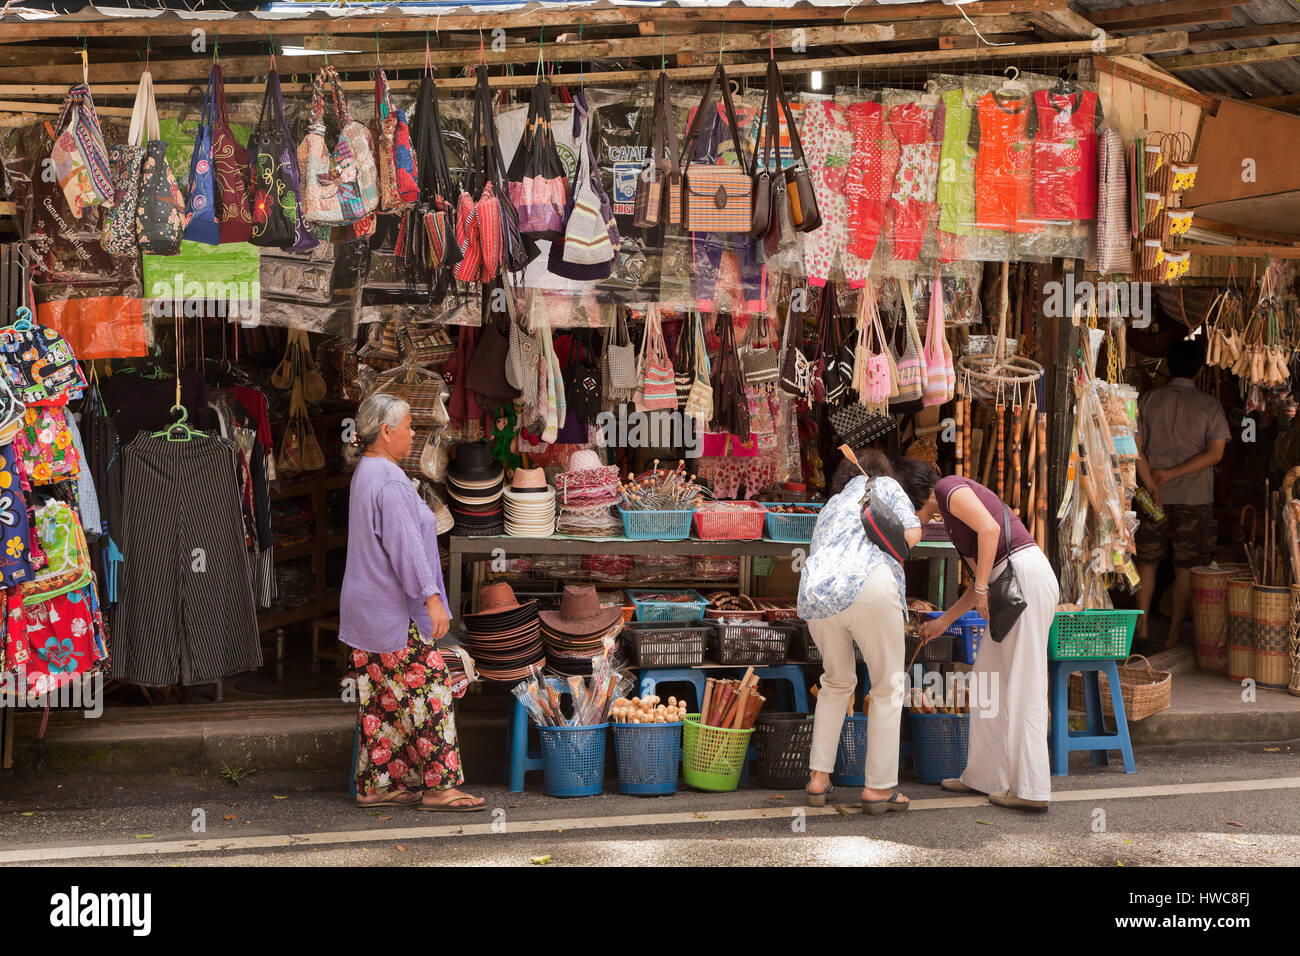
<point x="911" y="364"/>
<point x="271" y="189"/>
<point x="230" y="161"/>
<point x="873" y="378"/>
<point x="796" y="370"/>
<point x="620" y="360"/>
<point x="586" y="253"/>
<point x="857" y="425"/>
<point x="339" y="185"/>
<point x="658" y="388"/>
<point x="118" y="235"/>
<point x="658" y="196"/>
<point x="763" y="216"/>
<point x="396" y="170"/>
<point x="759" y="363"/>
<point x="1006" y="597"/>
<point x="940" y="378"/>
<point x="496" y="229"/>
<point x="160" y="216"/>
<point x="79" y="158"/>
<point x="201" y="205"/>
<point x="539" y="189"/>
<point x="730" y="404"/>
<point x="800" y="196"/>
<point x="426" y="240"/>
<point x="835" y="376"/>
<point x="699" y="403"/>
<point x="716" y="198"/>
<point x="684" y="362"/>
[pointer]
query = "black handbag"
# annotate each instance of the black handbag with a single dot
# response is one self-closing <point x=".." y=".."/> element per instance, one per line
<point x="882" y="527"/>
<point x="857" y="425"/>
<point x="1006" y="599"/>
<point x="272" y="193"/>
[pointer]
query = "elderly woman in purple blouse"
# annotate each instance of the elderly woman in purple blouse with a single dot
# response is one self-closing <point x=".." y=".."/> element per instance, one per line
<point x="393" y="607"/>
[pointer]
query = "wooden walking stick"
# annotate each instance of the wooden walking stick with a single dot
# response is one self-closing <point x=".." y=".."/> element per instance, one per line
<point x="966" y="423"/>
<point x="1016" y="412"/>
<point x="1002" y="450"/>
<point x="1042" y="481"/>
<point x="960" y="420"/>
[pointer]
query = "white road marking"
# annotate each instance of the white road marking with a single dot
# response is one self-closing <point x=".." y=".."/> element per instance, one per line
<point x="46" y="854"/>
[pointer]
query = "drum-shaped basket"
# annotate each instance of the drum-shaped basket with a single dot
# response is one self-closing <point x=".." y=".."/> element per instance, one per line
<point x="851" y="755"/>
<point x="941" y="743"/>
<point x="1241" y="627"/>
<point x="783" y="742"/>
<point x="573" y="760"/>
<point x="1210" y="616"/>
<point x="648" y="756"/>
<point x="1271" y="609"/>
<point x="713" y="757"/>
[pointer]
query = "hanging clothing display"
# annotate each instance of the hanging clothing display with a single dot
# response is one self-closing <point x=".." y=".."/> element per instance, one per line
<point x="1065" y="154"/>
<point x="185" y="608"/>
<point x="1004" y="183"/>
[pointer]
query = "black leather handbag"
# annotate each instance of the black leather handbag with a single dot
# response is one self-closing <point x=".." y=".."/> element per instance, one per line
<point x="1006" y="599"/>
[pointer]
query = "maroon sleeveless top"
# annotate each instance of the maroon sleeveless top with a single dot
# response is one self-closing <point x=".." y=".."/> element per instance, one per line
<point x="965" y="540"/>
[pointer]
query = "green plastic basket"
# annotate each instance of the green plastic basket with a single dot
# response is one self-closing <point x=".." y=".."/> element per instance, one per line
<point x="1081" y="635"/>
<point x="713" y="757"/>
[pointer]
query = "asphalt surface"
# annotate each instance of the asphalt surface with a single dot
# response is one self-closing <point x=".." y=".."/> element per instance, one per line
<point x="308" y="820"/>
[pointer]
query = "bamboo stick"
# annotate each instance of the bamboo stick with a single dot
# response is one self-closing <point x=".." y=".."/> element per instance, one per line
<point x="1017" y="413"/>
<point x="1042" y="481"/>
<point x="704" y="704"/>
<point x="990" y="450"/>
<point x="970" y="457"/>
<point x="1000" y="474"/>
<point x="960" y="420"/>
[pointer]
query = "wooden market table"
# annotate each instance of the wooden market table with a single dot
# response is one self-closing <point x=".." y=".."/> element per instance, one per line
<point x="940" y="555"/>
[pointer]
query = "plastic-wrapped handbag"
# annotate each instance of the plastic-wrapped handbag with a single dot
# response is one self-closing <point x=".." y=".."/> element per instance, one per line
<point x="80" y="160"/>
<point x="658" y="197"/>
<point x="339" y="185"/>
<point x="586" y="252"/>
<point x="271" y="189"/>
<point x="699" y="403"/>
<point x="395" y="162"/>
<point x="730" y="405"/>
<point x="538" y="186"/>
<point x="231" y="162"/>
<point x="658" y="388"/>
<point x="619" y="365"/>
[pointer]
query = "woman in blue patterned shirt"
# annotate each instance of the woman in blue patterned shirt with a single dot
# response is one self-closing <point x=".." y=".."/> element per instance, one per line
<point x="850" y="593"/>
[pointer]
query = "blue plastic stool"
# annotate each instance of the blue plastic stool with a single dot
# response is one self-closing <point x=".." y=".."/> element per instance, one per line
<point x="520" y="758"/>
<point x="675" y="675"/>
<point x="1095" y="738"/>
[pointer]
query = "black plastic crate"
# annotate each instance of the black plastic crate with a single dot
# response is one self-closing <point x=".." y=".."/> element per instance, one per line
<point x="665" y="643"/>
<point x="750" y="643"/>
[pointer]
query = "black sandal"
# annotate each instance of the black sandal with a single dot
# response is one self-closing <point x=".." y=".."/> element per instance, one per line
<point x="819" y="799"/>
<point x="891" y="804"/>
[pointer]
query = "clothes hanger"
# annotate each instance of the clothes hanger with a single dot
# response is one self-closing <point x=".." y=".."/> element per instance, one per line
<point x="1064" y="86"/>
<point x="179" y="430"/>
<point x="1013" y="86"/>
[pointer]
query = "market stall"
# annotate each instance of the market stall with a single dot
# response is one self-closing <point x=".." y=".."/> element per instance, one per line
<point x="635" y="307"/>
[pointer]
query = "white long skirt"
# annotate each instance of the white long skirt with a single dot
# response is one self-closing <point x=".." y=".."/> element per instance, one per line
<point x="1008" y="731"/>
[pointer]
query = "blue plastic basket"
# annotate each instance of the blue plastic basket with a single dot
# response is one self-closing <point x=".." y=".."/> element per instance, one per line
<point x="648" y="756"/>
<point x="692" y="610"/>
<point x="657" y="525"/>
<point x="851" y="756"/>
<point x="573" y="760"/>
<point x="966" y="632"/>
<point x="792" y="529"/>
<point x="941" y="744"/>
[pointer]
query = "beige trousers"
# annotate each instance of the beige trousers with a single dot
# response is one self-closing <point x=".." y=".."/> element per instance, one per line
<point x="875" y="623"/>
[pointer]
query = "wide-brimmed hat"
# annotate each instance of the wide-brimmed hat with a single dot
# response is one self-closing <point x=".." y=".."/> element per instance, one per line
<point x="474" y="496"/>
<point x="587" y="478"/>
<point x="474" y="462"/>
<point x="496" y="597"/>
<point x="580" y="613"/>
<point x="529" y="481"/>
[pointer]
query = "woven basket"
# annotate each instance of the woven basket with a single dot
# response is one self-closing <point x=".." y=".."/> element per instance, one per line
<point x="1210" y="616"/>
<point x="1144" y="690"/>
<point x="1271" y="608"/>
<point x="1293" y="683"/>
<point x="1241" y="628"/>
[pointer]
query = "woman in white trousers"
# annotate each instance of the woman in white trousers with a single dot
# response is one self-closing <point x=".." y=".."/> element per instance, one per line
<point x="1009" y="717"/>
<point x="851" y="592"/>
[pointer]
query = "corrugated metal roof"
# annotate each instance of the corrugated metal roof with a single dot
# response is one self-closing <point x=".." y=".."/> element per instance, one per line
<point x="1270" y="78"/>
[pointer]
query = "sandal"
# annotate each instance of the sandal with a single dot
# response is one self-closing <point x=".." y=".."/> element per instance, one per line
<point x="890" y="805"/>
<point x="392" y="798"/>
<point x="819" y="799"/>
<point x="449" y="806"/>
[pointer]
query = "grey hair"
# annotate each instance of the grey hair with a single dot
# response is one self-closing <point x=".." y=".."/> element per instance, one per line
<point x="376" y="411"/>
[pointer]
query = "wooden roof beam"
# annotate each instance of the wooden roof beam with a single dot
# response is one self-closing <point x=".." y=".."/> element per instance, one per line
<point x="1135" y="17"/>
<point x="1222" y="58"/>
<point x="1260" y="31"/>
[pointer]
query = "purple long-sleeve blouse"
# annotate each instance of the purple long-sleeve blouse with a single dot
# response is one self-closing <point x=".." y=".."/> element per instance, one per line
<point x="392" y="564"/>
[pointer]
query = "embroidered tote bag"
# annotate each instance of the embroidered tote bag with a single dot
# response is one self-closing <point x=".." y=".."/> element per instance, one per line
<point x="159" y="214"/>
<point x="339" y="184"/>
<point x="79" y="157"/>
<point x="395" y="163"/>
<point x="201" y="204"/>
<point x="231" y="162"/>
<point x="124" y="161"/>
<point x="271" y="187"/>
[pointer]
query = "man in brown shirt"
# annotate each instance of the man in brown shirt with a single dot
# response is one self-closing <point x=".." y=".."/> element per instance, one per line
<point x="1182" y="433"/>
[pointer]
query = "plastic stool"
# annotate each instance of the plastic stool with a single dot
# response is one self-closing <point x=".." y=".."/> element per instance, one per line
<point x="1095" y="738"/>
<point x="668" y="675"/>
<point x="520" y="758"/>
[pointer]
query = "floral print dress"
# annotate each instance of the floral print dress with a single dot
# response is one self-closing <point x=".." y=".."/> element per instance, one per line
<point x="407" y="727"/>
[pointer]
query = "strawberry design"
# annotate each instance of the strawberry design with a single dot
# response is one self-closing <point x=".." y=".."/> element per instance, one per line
<point x="1070" y="155"/>
<point x="1017" y="156"/>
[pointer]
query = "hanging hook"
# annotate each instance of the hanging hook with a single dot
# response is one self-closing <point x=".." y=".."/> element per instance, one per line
<point x="216" y="46"/>
<point x="541" y="46"/>
<point x="582" y="72"/>
<point x="270" y="42"/>
<point x="325" y="45"/>
<point x="377" y="65"/>
<point x="148" y="47"/>
<point x="721" y="35"/>
<point x="771" y="36"/>
<point x="663" y="49"/>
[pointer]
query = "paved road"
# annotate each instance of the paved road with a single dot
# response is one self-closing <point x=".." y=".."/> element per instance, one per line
<point x="1222" y="806"/>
